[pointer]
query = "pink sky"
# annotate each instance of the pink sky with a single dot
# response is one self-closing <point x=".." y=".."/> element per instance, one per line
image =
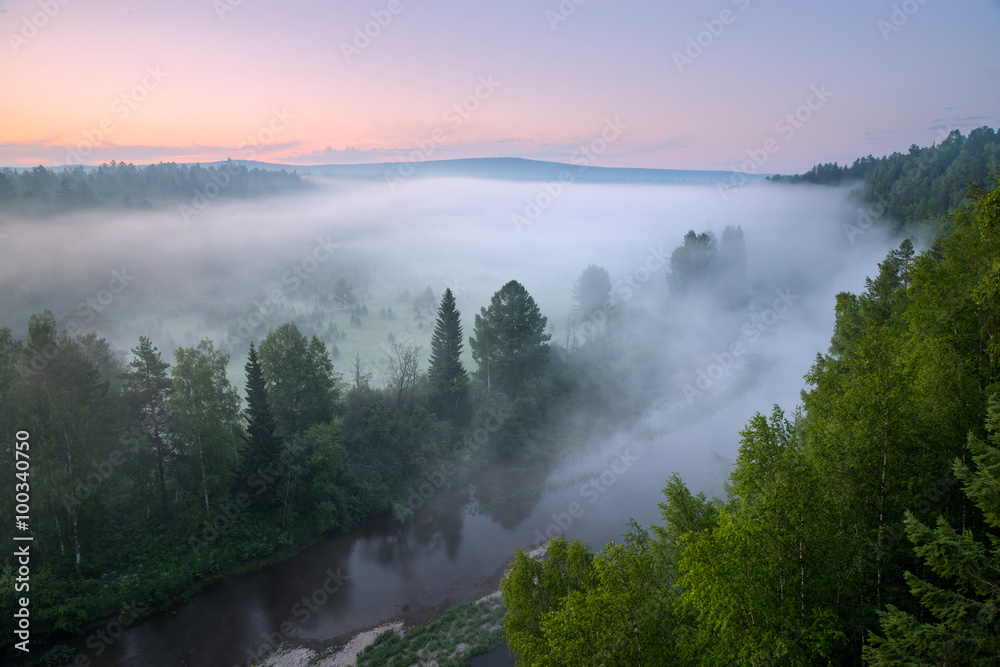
<point x="293" y="83"/>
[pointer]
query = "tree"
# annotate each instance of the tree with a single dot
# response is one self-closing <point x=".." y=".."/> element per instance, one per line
<point x="299" y="378"/>
<point x="403" y="364"/>
<point x="692" y="265"/>
<point x="343" y="293"/>
<point x="206" y="410"/>
<point x="68" y="408"/>
<point x="510" y="344"/>
<point x="446" y="374"/>
<point x="757" y="583"/>
<point x="592" y="290"/>
<point x="147" y="391"/>
<point x="964" y="605"/>
<point x="536" y="588"/>
<point x="261" y="447"/>
<point x="732" y="268"/>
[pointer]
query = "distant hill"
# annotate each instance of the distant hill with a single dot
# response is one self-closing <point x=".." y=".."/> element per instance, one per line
<point x="506" y="169"/>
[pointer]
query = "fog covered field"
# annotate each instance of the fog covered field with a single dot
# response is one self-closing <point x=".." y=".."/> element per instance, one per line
<point x="238" y="270"/>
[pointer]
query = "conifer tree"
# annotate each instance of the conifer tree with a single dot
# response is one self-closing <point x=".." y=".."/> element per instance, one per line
<point x="147" y="390"/>
<point x="510" y="342"/>
<point x="963" y="627"/>
<point x="262" y="447"/>
<point x="446" y="373"/>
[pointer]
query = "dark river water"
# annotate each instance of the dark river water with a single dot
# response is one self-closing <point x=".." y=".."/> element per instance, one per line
<point x="449" y="552"/>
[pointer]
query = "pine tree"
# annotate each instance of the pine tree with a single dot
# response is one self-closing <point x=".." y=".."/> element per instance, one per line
<point x="965" y="629"/>
<point x="147" y="390"/>
<point x="510" y="342"/>
<point x="447" y="376"/>
<point x="262" y="447"/>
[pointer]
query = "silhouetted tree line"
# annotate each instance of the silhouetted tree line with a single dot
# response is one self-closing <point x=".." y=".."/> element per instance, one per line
<point x="120" y="185"/>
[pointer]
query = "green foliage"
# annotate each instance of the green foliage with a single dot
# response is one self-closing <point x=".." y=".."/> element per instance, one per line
<point x="461" y="633"/>
<point x="147" y="390"/>
<point x="535" y="589"/>
<point x="509" y="342"/>
<point x="261" y="447"/>
<point x="299" y="379"/>
<point x="964" y="606"/>
<point x="922" y="184"/>
<point x="205" y="420"/>
<point x="58" y="655"/>
<point x="446" y="375"/>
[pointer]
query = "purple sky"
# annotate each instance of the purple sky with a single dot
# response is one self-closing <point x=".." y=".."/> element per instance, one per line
<point x="703" y="85"/>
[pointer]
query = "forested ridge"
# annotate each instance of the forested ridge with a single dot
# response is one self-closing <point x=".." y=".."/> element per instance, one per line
<point x="861" y="527"/>
<point x="921" y="185"/>
<point x="119" y="185"/>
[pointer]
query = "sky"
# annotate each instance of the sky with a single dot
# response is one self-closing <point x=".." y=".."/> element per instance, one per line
<point x="705" y="85"/>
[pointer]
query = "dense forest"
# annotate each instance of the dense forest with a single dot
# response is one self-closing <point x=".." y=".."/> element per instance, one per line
<point x="155" y="476"/>
<point x="921" y="185"/>
<point x="39" y="191"/>
<point x="864" y="527"/>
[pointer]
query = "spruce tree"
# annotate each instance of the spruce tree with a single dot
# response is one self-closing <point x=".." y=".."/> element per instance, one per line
<point x="963" y="624"/>
<point x="447" y="376"/>
<point x="261" y="446"/>
<point x="510" y="343"/>
<point x="147" y="390"/>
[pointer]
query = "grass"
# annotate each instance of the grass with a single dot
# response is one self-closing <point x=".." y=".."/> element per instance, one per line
<point x="463" y="632"/>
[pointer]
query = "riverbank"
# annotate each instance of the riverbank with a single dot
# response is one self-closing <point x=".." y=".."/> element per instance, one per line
<point x="445" y="634"/>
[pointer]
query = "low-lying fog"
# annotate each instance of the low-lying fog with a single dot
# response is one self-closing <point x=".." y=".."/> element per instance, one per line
<point x="239" y="269"/>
